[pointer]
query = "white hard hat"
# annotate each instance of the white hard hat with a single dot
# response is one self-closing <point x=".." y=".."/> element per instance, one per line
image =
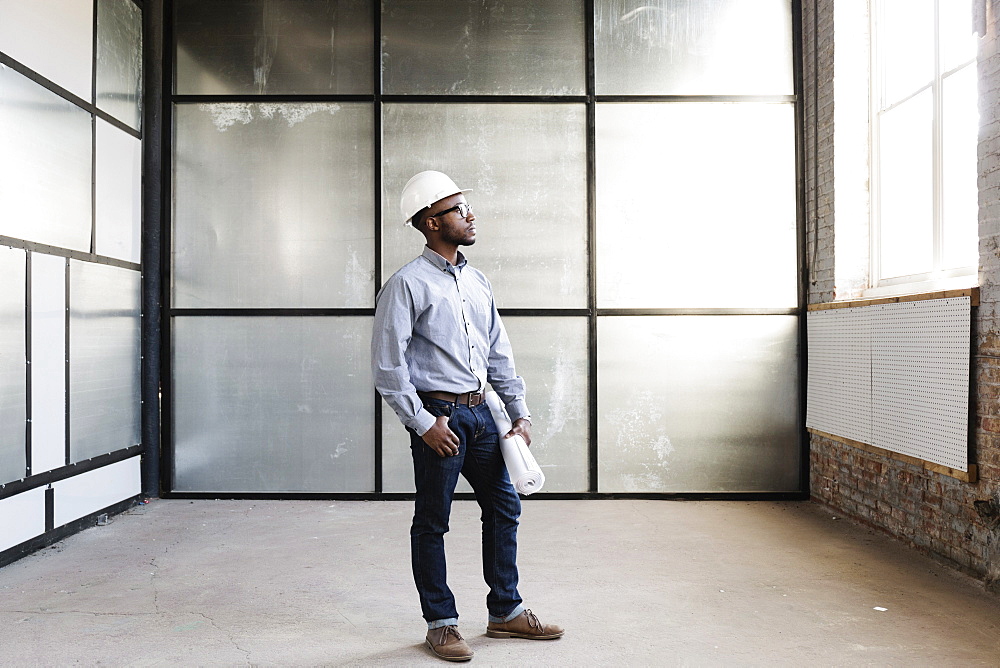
<point x="423" y="190"/>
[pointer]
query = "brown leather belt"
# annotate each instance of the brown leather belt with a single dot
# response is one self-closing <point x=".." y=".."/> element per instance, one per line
<point x="468" y="398"/>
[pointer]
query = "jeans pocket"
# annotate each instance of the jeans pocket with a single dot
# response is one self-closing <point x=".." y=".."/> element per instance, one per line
<point x="437" y="408"/>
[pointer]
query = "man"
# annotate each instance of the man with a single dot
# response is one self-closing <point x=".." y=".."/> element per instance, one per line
<point x="437" y="341"/>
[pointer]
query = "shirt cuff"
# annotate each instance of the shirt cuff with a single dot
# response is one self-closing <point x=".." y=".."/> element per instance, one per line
<point x="517" y="409"/>
<point x="422" y="421"/>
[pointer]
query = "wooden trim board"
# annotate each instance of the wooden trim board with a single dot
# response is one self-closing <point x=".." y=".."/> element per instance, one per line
<point x="972" y="293"/>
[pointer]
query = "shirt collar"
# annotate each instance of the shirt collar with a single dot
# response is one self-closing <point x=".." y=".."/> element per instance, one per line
<point x="440" y="262"/>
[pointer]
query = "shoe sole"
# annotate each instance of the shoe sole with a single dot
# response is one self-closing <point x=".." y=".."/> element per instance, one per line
<point x="512" y="634"/>
<point x="447" y="658"/>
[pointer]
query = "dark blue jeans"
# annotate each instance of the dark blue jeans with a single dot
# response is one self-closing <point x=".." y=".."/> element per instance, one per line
<point x="480" y="461"/>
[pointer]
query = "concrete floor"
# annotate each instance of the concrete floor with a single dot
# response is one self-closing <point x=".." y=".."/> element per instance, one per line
<point x="304" y="583"/>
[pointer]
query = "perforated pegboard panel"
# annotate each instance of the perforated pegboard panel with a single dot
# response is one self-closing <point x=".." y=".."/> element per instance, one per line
<point x="895" y="376"/>
<point x="920" y="379"/>
<point x="838" y="397"/>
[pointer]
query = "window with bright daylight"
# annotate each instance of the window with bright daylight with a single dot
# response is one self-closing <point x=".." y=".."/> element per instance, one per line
<point x="924" y="127"/>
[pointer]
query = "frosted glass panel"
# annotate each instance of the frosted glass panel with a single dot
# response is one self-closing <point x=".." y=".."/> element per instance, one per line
<point x="526" y="165"/>
<point x="397" y="464"/>
<point x="696" y="205"/>
<point x="103" y="359"/>
<point x="517" y="47"/>
<point x="906" y="187"/>
<point x="273" y="404"/>
<point x="680" y="47"/>
<point x="273" y="205"/>
<point x="13" y="368"/>
<point x="48" y="362"/>
<point x="119" y="192"/>
<point x="119" y="60"/>
<point x="274" y="47"/>
<point x="697" y="404"/>
<point x="52" y="37"/>
<point x="551" y="356"/>
<point x="45" y="165"/>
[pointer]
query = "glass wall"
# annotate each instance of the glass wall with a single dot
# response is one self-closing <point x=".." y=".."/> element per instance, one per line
<point x="636" y="217"/>
<point x="70" y="238"/>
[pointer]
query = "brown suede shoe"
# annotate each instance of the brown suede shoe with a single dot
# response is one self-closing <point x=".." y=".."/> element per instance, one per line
<point x="449" y="644"/>
<point x="525" y="625"/>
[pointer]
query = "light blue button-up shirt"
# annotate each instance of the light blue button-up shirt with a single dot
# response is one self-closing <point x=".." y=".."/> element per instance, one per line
<point x="437" y="329"/>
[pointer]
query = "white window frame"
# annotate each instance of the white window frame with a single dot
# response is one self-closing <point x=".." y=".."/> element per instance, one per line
<point x="937" y="278"/>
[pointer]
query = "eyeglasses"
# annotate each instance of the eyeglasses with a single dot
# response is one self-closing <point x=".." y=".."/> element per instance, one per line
<point x="463" y="210"/>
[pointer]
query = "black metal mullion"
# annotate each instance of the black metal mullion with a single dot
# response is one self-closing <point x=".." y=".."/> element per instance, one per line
<point x="695" y="311"/>
<point x="68" y="471"/>
<point x="414" y="99"/>
<point x="377" y="199"/>
<point x="800" y="243"/>
<point x="28" y="408"/>
<point x="93" y="185"/>
<point x="50" y="509"/>
<point x="546" y="312"/>
<point x="696" y="98"/>
<point x="166" y="241"/>
<point x="469" y="496"/>
<point x="488" y="99"/>
<point x="592" y="449"/>
<point x="285" y="312"/>
<point x="253" y="98"/>
<point x="347" y="311"/>
<point x="66" y="362"/>
<point x="478" y="99"/>
<point x="93" y="135"/>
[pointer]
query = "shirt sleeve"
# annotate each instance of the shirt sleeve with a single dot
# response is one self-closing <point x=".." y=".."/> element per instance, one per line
<point x="393" y="328"/>
<point x="500" y="369"/>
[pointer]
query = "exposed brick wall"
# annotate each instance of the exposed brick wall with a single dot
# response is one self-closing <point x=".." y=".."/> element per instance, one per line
<point x="932" y="512"/>
<point x="817" y="146"/>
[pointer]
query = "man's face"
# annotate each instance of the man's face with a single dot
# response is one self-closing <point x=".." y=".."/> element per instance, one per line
<point x="452" y="226"/>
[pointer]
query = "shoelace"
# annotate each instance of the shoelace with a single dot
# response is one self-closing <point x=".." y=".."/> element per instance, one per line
<point x="452" y="630"/>
<point x="532" y="620"/>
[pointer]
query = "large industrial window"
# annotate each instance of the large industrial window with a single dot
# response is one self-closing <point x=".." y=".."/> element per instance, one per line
<point x="924" y="124"/>
<point x="633" y="174"/>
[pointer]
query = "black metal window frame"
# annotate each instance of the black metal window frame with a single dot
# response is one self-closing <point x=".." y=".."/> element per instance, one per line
<point x="163" y="56"/>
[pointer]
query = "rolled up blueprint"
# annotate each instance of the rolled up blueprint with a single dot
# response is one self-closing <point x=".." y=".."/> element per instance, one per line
<point x="524" y="471"/>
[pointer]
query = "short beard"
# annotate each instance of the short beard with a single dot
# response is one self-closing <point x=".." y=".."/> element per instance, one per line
<point x="459" y="240"/>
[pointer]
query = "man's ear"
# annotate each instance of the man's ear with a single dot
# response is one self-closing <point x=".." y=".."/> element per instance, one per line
<point x="431" y="223"/>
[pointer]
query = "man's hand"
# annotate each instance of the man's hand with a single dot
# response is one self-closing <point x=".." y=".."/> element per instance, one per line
<point x="441" y="439"/>
<point x="522" y="428"/>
